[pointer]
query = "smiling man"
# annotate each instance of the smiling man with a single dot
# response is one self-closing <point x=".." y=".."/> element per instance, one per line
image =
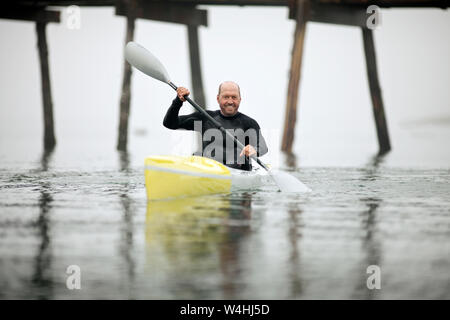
<point x="216" y="144"/>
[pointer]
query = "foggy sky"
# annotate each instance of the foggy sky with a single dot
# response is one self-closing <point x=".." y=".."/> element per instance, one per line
<point x="252" y="47"/>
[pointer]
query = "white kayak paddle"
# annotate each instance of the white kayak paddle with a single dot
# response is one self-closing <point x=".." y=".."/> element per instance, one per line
<point x="145" y="61"/>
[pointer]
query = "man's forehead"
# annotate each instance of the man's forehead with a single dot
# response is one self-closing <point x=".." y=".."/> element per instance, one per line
<point x="229" y="86"/>
<point x="234" y="89"/>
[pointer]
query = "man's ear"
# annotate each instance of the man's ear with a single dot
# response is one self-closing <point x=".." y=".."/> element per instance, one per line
<point x="217" y="98"/>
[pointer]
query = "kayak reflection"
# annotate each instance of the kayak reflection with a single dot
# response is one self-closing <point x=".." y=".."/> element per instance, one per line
<point x="188" y="240"/>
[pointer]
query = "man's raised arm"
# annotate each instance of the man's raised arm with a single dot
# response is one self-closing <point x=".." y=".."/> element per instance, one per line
<point x="172" y="120"/>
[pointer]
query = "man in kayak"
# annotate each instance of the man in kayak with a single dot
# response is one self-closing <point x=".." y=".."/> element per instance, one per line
<point x="215" y="144"/>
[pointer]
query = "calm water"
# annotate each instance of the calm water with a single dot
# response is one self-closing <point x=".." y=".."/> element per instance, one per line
<point x="249" y="245"/>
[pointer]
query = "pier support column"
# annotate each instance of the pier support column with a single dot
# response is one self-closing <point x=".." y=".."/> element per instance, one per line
<point x="196" y="72"/>
<point x="375" y="92"/>
<point x="166" y="11"/>
<point x="49" y="133"/>
<point x="196" y="78"/>
<point x="126" y="92"/>
<point x="302" y="12"/>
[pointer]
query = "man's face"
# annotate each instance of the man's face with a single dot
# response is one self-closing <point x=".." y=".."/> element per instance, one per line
<point x="229" y="99"/>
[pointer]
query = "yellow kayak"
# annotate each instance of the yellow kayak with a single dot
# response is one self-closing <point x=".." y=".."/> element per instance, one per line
<point x="180" y="176"/>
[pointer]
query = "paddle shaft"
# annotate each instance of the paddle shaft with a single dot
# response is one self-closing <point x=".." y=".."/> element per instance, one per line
<point x="218" y="125"/>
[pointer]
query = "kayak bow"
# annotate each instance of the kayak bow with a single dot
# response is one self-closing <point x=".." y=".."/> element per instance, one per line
<point x="180" y="176"/>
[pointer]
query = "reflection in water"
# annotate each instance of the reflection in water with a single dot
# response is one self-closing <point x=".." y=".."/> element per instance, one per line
<point x="370" y="246"/>
<point x="237" y="228"/>
<point x="42" y="278"/>
<point x="294" y="235"/>
<point x="195" y="237"/>
<point x="126" y="246"/>
<point x="370" y="243"/>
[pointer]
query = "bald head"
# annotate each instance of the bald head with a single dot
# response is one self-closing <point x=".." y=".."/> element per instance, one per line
<point x="229" y="98"/>
<point x="229" y="85"/>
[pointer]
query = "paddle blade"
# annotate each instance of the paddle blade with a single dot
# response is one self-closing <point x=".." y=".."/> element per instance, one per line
<point x="145" y="61"/>
<point x="287" y="182"/>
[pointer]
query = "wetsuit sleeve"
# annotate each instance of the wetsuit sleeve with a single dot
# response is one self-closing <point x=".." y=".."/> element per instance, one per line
<point x="261" y="148"/>
<point x="173" y="121"/>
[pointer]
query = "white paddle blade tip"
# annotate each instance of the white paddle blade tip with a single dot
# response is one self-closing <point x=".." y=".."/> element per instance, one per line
<point x="288" y="183"/>
<point x="145" y="61"/>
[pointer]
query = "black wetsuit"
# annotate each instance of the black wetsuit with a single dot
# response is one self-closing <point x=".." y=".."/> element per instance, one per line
<point x="226" y="152"/>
